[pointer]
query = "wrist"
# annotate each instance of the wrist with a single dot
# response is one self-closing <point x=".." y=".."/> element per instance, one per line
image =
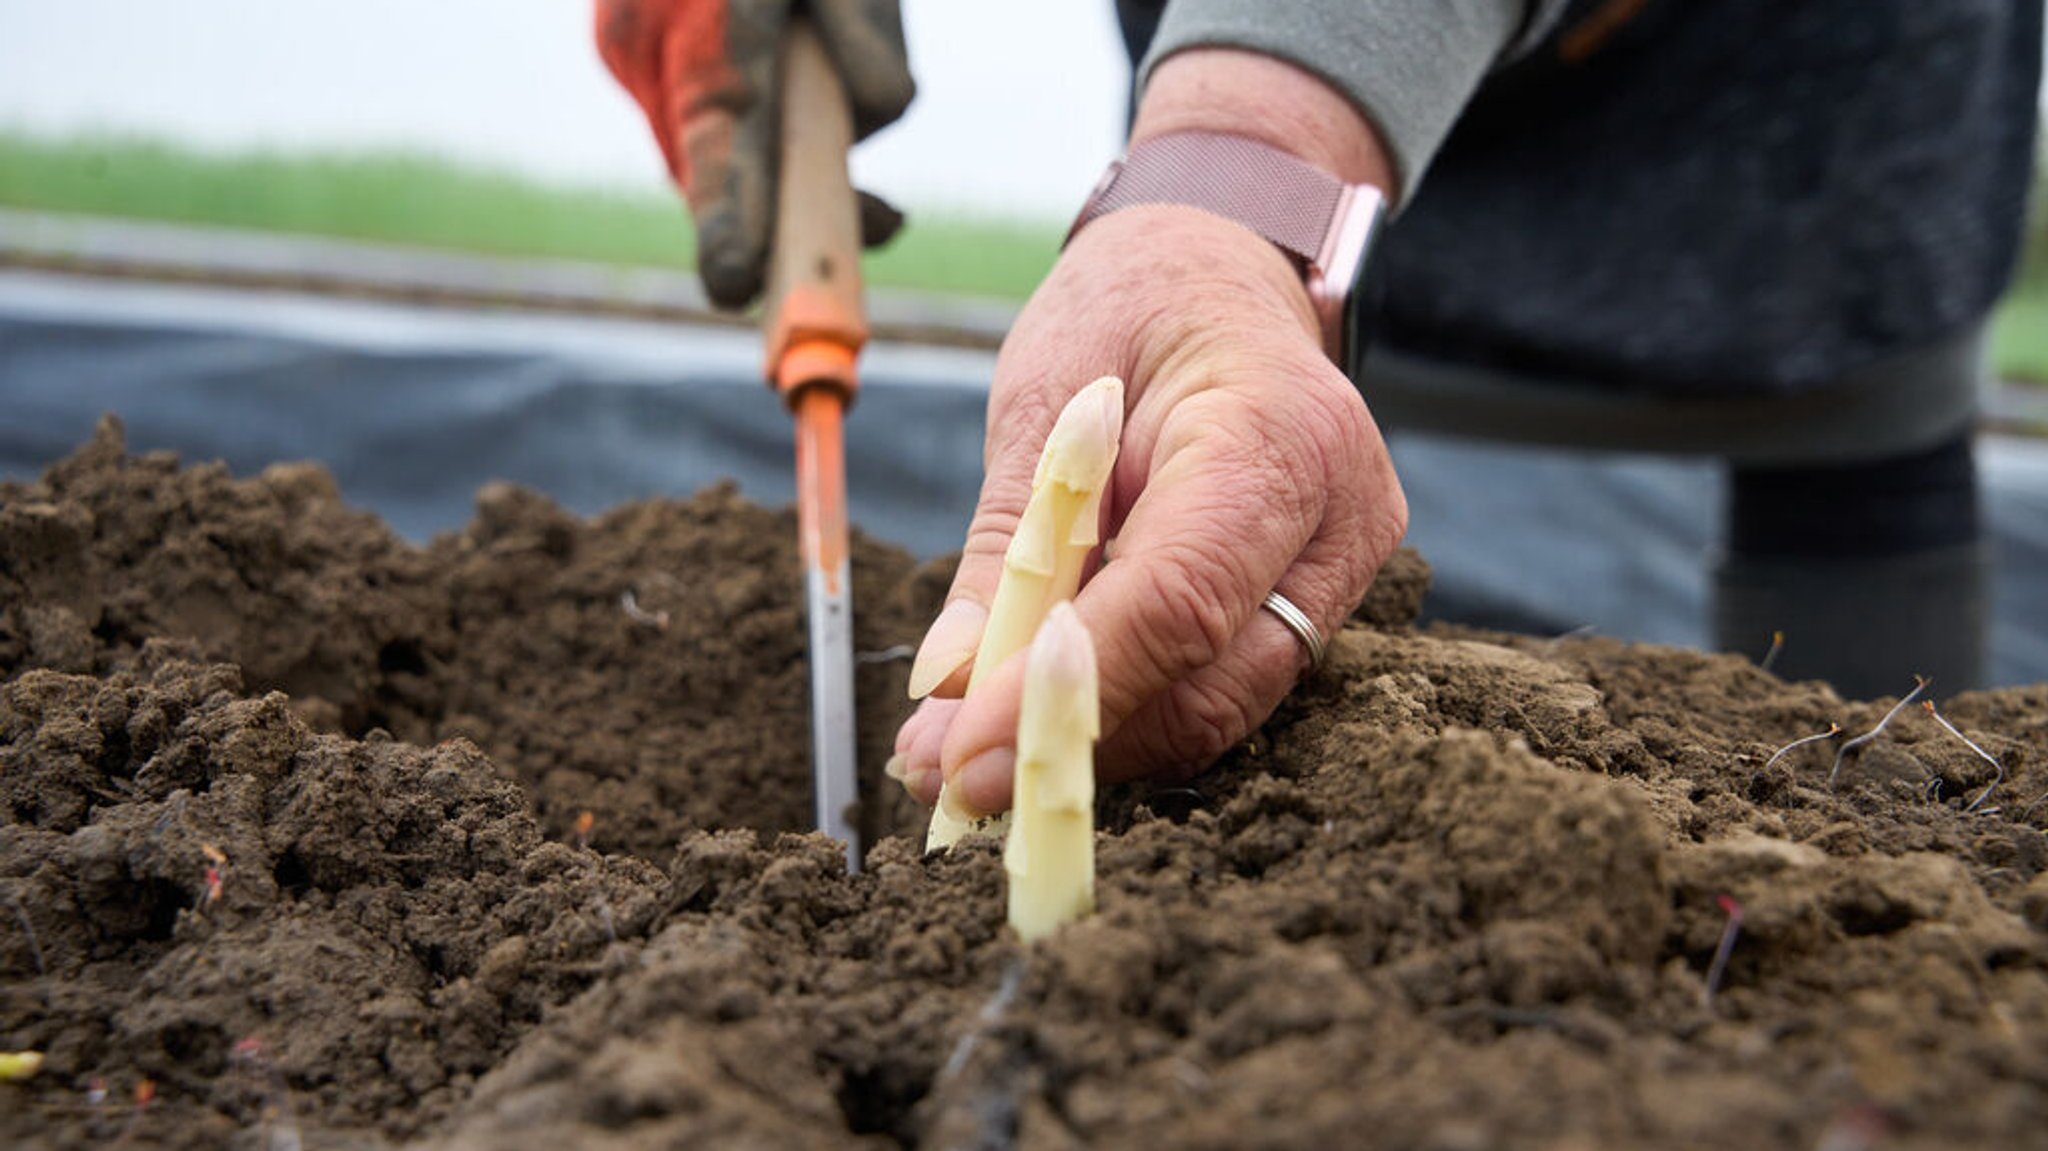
<point x="1267" y="99"/>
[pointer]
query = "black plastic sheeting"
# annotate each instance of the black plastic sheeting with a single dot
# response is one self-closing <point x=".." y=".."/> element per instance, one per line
<point x="415" y="409"/>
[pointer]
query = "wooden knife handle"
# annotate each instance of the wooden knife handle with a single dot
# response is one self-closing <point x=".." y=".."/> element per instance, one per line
<point x="814" y="321"/>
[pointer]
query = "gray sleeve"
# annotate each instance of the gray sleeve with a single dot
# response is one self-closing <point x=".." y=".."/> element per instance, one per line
<point x="1409" y="65"/>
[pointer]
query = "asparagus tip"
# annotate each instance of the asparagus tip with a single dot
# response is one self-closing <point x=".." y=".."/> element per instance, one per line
<point x="1081" y="448"/>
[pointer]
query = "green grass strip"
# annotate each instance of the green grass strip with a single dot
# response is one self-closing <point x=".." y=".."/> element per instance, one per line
<point x="402" y="198"/>
<point x="405" y="198"/>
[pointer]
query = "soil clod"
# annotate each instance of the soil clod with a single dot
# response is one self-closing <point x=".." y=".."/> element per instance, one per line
<point x="309" y="834"/>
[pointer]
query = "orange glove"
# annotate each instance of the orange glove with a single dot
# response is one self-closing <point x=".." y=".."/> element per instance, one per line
<point x="707" y="74"/>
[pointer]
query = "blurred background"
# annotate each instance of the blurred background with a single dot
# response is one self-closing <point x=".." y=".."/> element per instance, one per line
<point x="491" y="126"/>
<point x="431" y="245"/>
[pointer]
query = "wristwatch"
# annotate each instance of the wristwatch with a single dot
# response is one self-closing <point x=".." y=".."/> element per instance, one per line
<point x="1323" y="224"/>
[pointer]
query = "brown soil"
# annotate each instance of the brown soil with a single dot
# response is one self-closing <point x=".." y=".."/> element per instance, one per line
<point x="288" y="820"/>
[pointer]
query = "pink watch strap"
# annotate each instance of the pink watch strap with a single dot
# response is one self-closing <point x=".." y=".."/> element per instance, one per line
<point x="1326" y="225"/>
<point x="1282" y="198"/>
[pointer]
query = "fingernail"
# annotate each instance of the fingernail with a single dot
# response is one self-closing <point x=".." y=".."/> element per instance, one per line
<point x="983" y="784"/>
<point x="916" y="762"/>
<point x="947" y="646"/>
<point x="922" y="784"/>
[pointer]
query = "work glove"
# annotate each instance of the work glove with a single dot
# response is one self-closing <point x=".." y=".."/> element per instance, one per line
<point x="707" y="73"/>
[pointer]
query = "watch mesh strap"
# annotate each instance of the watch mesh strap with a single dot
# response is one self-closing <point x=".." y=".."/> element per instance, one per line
<point x="1267" y="190"/>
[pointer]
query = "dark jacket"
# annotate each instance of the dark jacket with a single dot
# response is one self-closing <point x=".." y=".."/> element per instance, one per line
<point x="1726" y="199"/>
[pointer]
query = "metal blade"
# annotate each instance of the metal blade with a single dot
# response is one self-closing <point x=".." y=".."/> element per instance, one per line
<point x="828" y="593"/>
<point x="835" y="782"/>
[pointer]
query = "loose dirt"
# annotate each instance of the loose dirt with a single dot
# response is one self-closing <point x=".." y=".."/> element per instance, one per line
<point x="291" y="855"/>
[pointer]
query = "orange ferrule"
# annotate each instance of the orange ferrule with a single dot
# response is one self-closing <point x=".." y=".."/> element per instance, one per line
<point x="813" y="337"/>
<point x="814" y="361"/>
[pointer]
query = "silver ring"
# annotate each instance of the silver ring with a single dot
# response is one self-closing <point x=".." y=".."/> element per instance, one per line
<point x="1297" y="621"/>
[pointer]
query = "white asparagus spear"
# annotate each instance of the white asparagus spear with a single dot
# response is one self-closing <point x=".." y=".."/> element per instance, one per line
<point x="1050" y="853"/>
<point x="1061" y="524"/>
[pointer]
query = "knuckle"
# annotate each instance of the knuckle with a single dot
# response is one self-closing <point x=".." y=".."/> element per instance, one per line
<point x="1205" y="721"/>
<point x="1330" y="427"/>
<point x="1377" y="511"/>
<point x="1189" y="624"/>
<point x="1392" y="522"/>
<point x="988" y="537"/>
<point x="889" y="93"/>
<point x="1269" y="452"/>
<point x="1208" y="735"/>
<point x="1328" y="592"/>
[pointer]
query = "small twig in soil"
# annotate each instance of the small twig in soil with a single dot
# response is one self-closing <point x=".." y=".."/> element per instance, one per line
<point x="1771" y="656"/>
<point x="28" y="929"/>
<point x="1921" y="684"/>
<point x="1986" y="756"/>
<point x="2027" y="812"/>
<point x="1719" y="967"/>
<point x="901" y="651"/>
<point x="658" y="620"/>
<point x="1834" y="729"/>
<point x="984" y="1021"/>
<point x="1579" y="632"/>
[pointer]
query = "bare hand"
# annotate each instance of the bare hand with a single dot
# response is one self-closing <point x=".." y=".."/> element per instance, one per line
<point x="1249" y="465"/>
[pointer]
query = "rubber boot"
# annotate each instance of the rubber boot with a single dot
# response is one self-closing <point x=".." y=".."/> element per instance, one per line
<point x="1866" y="624"/>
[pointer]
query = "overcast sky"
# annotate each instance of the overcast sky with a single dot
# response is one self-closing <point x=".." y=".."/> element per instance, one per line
<point x="1020" y="103"/>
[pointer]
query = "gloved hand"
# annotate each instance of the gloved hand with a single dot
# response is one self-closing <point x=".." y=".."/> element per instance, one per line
<point x="707" y="74"/>
<point x="1248" y="464"/>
